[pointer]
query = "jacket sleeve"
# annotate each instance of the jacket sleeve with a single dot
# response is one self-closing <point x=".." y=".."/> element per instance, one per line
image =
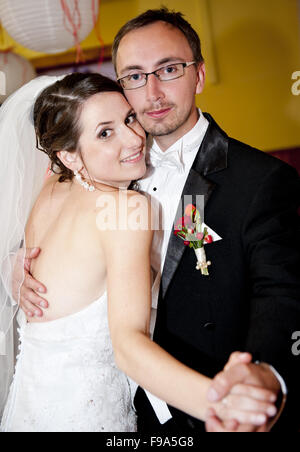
<point x="272" y="245"/>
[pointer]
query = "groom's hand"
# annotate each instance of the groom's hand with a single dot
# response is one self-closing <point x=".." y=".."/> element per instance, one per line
<point x="29" y="298"/>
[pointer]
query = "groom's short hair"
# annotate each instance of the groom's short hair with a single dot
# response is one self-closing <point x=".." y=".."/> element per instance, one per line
<point x="150" y="16"/>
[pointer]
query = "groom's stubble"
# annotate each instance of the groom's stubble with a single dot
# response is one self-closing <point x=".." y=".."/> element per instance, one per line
<point x="166" y="127"/>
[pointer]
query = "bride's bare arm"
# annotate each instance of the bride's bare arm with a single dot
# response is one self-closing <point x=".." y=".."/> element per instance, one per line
<point x="127" y="254"/>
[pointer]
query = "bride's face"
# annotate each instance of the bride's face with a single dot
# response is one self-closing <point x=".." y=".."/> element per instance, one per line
<point x="112" y="142"/>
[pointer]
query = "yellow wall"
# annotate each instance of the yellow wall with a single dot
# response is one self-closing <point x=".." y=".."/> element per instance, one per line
<point x="258" y="49"/>
<point x="251" y="48"/>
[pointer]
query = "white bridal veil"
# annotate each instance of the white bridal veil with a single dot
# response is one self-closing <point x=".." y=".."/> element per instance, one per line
<point x="22" y="173"/>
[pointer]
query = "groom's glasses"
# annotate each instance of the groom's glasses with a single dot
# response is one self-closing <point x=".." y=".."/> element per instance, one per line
<point x="164" y="74"/>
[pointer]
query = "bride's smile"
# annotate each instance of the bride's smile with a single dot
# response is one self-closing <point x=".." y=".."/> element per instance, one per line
<point x="112" y="142"/>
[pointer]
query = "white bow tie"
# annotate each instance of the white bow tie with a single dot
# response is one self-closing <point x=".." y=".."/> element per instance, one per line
<point x="170" y="160"/>
<point x="173" y="159"/>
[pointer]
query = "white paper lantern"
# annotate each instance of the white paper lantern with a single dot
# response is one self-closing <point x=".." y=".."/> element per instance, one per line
<point x="41" y="25"/>
<point x="15" y="71"/>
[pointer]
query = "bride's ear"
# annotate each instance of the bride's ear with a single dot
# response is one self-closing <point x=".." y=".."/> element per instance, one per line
<point x="71" y="160"/>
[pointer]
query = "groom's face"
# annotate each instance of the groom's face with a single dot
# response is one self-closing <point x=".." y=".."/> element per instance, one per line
<point x="162" y="107"/>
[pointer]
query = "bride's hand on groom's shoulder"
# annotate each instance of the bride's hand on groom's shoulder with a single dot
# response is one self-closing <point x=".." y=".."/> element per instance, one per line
<point x="29" y="300"/>
<point x="242" y="396"/>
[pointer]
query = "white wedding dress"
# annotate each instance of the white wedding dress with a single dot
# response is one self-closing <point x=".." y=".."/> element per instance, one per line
<point x="66" y="379"/>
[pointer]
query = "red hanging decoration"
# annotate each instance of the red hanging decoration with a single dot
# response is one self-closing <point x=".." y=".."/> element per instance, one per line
<point x="72" y="23"/>
<point x="95" y="19"/>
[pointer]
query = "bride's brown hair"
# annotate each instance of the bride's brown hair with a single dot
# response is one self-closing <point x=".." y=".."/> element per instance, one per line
<point x="57" y="112"/>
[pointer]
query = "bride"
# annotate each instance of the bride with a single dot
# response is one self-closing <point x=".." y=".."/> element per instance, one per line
<point x="95" y="236"/>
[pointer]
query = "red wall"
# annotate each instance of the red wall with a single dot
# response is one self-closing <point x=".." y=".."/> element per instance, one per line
<point x="290" y="156"/>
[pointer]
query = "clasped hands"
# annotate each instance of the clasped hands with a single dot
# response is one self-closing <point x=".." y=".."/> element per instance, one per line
<point x="241" y="398"/>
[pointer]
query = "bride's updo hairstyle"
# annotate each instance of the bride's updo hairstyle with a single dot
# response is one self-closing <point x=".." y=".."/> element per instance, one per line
<point x="57" y="112"/>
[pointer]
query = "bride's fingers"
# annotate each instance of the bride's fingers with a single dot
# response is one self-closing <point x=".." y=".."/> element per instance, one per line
<point x="254" y="392"/>
<point x="247" y="417"/>
<point x="214" y="424"/>
<point x="245" y="410"/>
<point x="245" y="403"/>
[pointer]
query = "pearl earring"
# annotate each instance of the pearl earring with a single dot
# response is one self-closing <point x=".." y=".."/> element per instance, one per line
<point x="85" y="185"/>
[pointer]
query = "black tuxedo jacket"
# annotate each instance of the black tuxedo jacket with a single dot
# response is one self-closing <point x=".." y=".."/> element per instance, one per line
<point x="251" y="299"/>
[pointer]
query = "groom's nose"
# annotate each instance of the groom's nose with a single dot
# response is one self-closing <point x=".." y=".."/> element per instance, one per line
<point x="154" y="89"/>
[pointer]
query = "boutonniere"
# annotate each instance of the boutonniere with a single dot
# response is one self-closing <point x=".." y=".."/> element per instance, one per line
<point x="195" y="234"/>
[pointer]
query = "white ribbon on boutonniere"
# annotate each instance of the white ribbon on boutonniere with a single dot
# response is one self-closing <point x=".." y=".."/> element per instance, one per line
<point x="196" y="235"/>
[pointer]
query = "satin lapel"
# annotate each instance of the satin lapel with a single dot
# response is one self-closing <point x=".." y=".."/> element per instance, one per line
<point x="212" y="157"/>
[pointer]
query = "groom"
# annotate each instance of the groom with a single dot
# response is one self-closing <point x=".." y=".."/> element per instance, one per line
<point x="251" y="299"/>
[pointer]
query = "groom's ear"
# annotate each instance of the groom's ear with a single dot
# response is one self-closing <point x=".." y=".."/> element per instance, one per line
<point x="201" y="74"/>
<point x="69" y="159"/>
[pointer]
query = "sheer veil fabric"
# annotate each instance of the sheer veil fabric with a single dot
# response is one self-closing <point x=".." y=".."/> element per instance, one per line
<point x="22" y="173"/>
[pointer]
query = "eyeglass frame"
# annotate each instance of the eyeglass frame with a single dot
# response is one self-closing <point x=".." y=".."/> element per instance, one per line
<point x="184" y="65"/>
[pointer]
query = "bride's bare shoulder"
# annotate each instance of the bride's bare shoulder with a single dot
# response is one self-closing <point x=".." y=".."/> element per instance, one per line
<point x="49" y="186"/>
